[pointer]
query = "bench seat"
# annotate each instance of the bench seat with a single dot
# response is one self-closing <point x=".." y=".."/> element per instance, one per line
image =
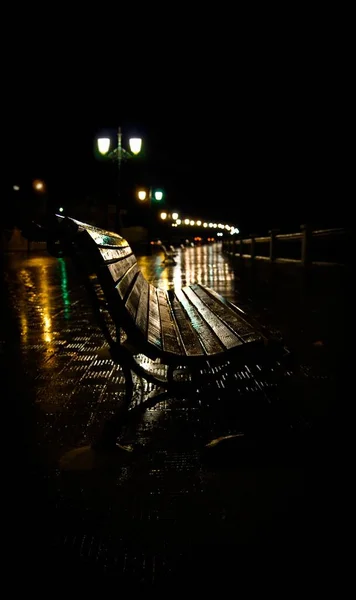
<point x="184" y="325"/>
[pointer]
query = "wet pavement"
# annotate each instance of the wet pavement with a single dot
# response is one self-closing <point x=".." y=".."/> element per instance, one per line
<point x="166" y="512"/>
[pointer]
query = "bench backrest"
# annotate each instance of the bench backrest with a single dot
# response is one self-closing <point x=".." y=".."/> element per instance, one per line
<point x="111" y="258"/>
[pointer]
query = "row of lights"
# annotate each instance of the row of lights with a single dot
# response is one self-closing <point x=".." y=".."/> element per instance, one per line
<point x="191" y="222"/>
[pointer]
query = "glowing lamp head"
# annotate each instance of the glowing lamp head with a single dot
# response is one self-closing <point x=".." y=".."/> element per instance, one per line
<point x="38" y="185"/>
<point x="142" y="195"/>
<point x="158" y="195"/>
<point x="135" y="145"/>
<point x="163" y="216"/>
<point x="175" y="216"/>
<point x="103" y="145"/>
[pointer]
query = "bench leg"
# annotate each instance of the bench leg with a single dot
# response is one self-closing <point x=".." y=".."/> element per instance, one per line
<point x="113" y="426"/>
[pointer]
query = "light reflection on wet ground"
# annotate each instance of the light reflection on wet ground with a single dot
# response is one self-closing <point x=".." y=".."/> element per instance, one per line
<point x="143" y="518"/>
<point x="204" y="264"/>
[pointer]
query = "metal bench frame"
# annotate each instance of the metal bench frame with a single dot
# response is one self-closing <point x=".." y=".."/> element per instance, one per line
<point x="64" y="240"/>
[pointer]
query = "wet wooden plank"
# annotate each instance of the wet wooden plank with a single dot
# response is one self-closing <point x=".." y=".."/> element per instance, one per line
<point x="232" y="319"/>
<point x="223" y="332"/>
<point x="111" y="255"/>
<point x="105" y="238"/>
<point x="124" y="283"/>
<point x="143" y="307"/>
<point x="119" y="268"/>
<point x="133" y="298"/>
<point x="189" y="336"/>
<point x="170" y="336"/>
<point x="154" y="333"/>
<point x="206" y="335"/>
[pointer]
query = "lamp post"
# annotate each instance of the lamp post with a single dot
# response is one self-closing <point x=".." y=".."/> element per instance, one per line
<point x="143" y="196"/>
<point x="119" y="154"/>
<point x="151" y="198"/>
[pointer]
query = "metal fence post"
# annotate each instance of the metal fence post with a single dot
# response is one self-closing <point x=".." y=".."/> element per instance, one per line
<point x="306" y="238"/>
<point x="272" y="245"/>
<point x="253" y="245"/>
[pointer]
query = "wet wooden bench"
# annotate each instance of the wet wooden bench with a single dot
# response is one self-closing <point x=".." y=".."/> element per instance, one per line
<point x="168" y="254"/>
<point x="191" y="330"/>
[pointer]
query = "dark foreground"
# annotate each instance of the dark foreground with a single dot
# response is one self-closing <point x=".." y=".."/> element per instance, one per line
<point x="265" y="506"/>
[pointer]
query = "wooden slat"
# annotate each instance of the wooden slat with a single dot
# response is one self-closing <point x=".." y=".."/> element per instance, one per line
<point x="111" y="255"/>
<point x="142" y="309"/>
<point x="134" y="295"/>
<point x="99" y="236"/>
<point x="189" y="337"/>
<point x="231" y="318"/>
<point x="225" y="335"/>
<point x="119" y="268"/>
<point x="170" y="337"/>
<point x="154" y="334"/>
<point x="206" y="336"/>
<point x="105" y="238"/>
<point x="124" y="283"/>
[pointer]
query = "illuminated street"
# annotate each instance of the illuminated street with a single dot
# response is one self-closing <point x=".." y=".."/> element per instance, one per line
<point x="161" y="513"/>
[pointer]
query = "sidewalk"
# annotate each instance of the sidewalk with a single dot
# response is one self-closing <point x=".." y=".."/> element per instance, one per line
<point x="162" y="514"/>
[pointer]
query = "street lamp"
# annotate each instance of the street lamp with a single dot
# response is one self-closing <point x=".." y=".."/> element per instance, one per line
<point x="156" y="195"/>
<point x="38" y="185"/>
<point x="119" y="154"/>
<point x="142" y="194"/>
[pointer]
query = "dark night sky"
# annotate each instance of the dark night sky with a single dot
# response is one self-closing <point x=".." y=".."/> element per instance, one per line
<point x="248" y="133"/>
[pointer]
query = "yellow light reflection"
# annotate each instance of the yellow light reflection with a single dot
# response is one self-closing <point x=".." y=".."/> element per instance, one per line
<point x="45" y="305"/>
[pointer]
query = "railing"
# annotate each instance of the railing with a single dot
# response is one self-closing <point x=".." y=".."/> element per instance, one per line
<point x="325" y="246"/>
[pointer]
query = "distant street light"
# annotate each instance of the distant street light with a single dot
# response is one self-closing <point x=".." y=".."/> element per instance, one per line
<point x="175" y="216"/>
<point x="163" y="215"/>
<point x="16" y="188"/>
<point x="61" y="209"/>
<point x="119" y="154"/>
<point x="142" y="194"/>
<point x="38" y="185"/>
<point x="152" y="195"/>
<point x="158" y="195"/>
